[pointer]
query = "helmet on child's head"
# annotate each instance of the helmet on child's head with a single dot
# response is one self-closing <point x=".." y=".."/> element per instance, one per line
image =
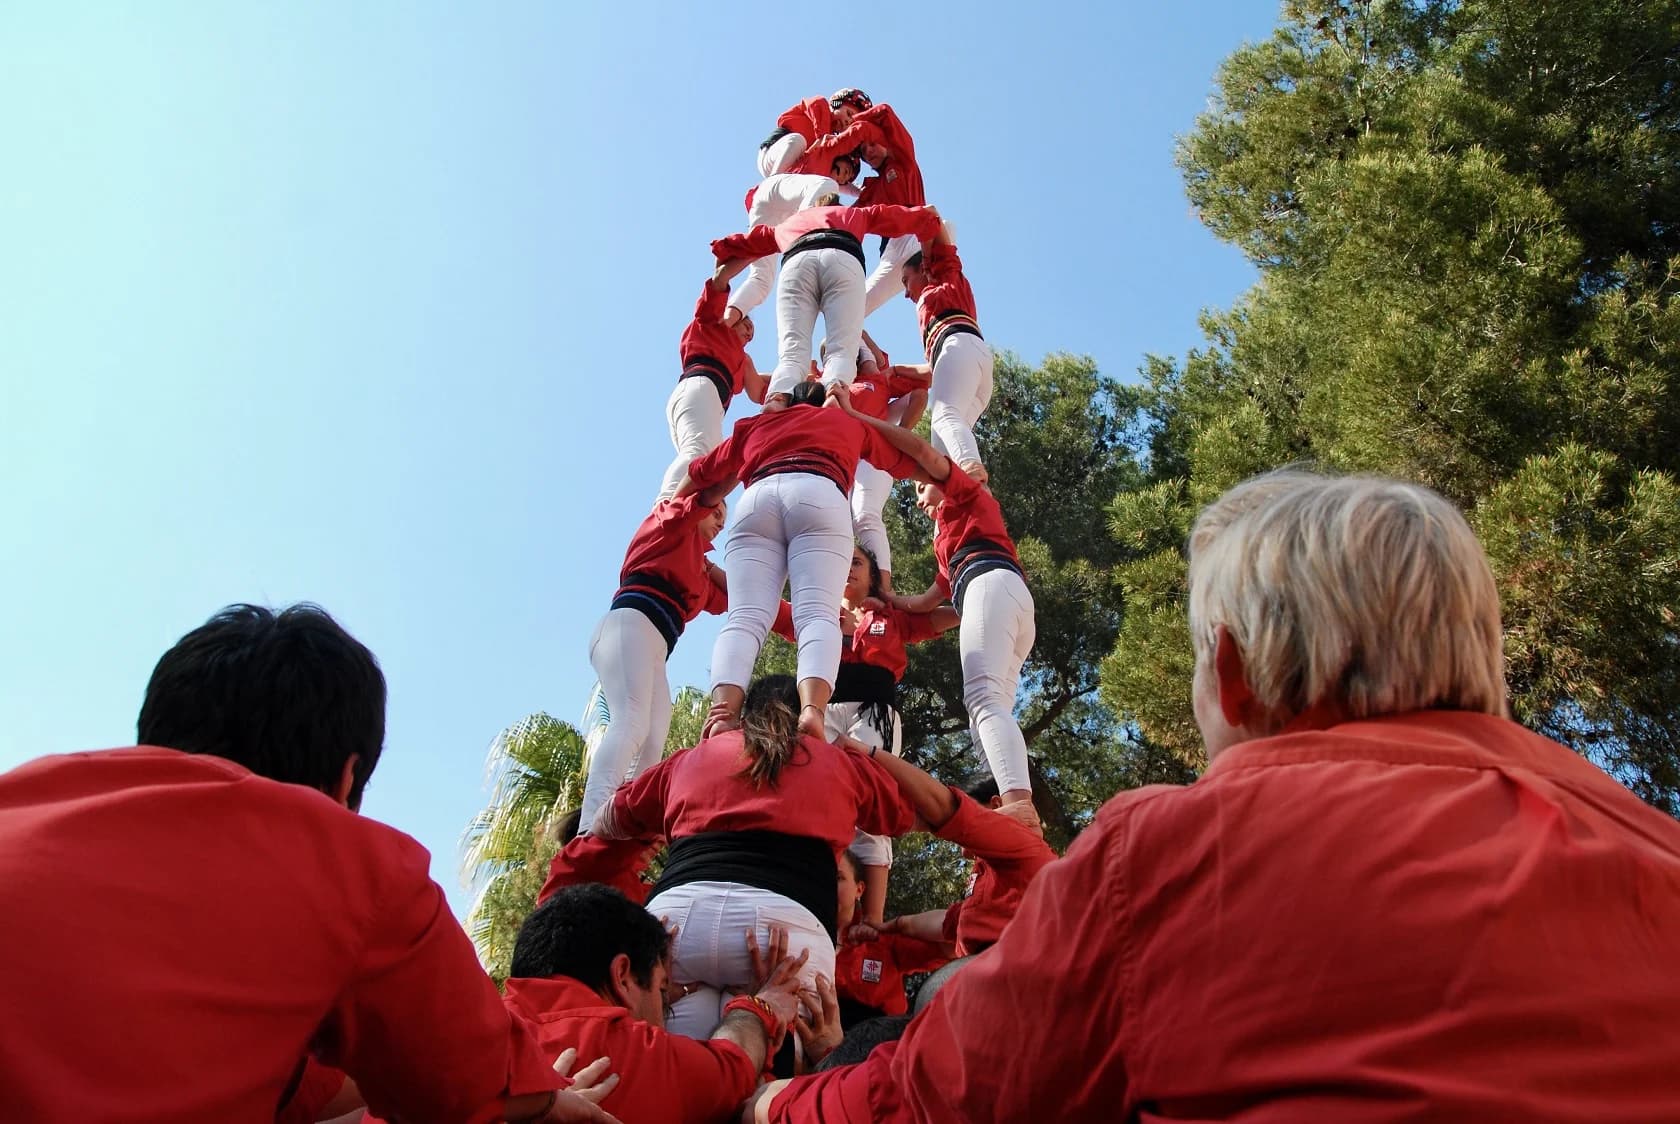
<point x="857" y="99"/>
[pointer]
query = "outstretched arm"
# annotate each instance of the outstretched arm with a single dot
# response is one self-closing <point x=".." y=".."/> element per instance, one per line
<point x="936" y="464"/>
<point x="933" y="801"/>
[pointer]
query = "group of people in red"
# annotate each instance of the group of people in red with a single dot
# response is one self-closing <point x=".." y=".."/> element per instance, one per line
<point x="1382" y="900"/>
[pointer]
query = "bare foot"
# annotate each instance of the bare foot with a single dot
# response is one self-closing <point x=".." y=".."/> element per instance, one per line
<point x="811" y="722"/>
<point x="977" y="471"/>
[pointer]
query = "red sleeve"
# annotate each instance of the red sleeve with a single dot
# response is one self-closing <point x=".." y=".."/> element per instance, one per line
<point x="783" y="624"/>
<point x="1009" y="848"/>
<point x="722" y="463"/>
<point x="942" y="263"/>
<point x="637" y="809"/>
<point x="900" y="385"/>
<point x="959" y="487"/>
<point x="589" y="858"/>
<point x="316" y="1088"/>
<point x="711" y="1077"/>
<point x="882" y="809"/>
<point x="892" y="221"/>
<point x="912" y="955"/>
<point x="416" y="973"/>
<point x="709" y="308"/>
<point x="915" y="628"/>
<point x="717" y="599"/>
<point x="881" y="453"/>
<point x="830" y="1096"/>
<point x="755" y="243"/>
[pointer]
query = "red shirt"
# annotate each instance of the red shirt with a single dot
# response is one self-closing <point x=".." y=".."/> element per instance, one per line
<point x="1433" y="916"/>
<point x="707" y="337"/>
<point x="799" y="439"/>
<point x="969" y="514"/>
<point x="1007" y="857"/>
<point x="669" y="547"/>
<point x="823" y="792"/>
<point x="317" y="1086"/>
<point x="879" y="640"/>
<point x="663" y="1078"/>
<point x="872" y="972"/>
<point x="858" y="221"/>
<point x="899" y="178"/>
<point x="947" y="300"/>
<point x="873" y="394"/>
<point x="611" y="862"/>
<point x="181" y="932"/>
<point x="811" y="118"/>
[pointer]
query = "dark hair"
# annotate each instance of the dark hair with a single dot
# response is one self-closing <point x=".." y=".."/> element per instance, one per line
<point x="770" y="726"/>
<point x="935" y="983"/>
<point x="914" y="261"/>
<point x="863" y="1038"/>
<point x="1049" y="807"/>
<point x="854" y="862"/>
<point x="290" y="696"/>
<point x="875" y="589"/>
<point x="580" y="930"/>
<point x="570" y="824"/>
<point x="808" y="393"/>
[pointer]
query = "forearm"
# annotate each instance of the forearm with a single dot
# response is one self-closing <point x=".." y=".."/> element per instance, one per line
<point x="932" y="461"/>
<point x="746" y="1031"/>
<point x="921" y="602"/>
<point x="915" y="405"/>
<point x="929" y="926"/>
<point x="933" y="801"/>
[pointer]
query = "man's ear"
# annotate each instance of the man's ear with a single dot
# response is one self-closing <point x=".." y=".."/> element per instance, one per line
<point x="1237" y="702"/>
<point x="620" y="978"/>
<point x="346" y="781"/>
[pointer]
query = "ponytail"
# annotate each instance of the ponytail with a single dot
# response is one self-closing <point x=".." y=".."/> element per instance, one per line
<point x="769" y="727"/>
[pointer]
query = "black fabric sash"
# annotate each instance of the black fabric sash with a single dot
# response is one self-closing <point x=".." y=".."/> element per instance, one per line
<point x="826" y="239"/>
<point x="798" y="867"/>
<point x="705" y="367"/>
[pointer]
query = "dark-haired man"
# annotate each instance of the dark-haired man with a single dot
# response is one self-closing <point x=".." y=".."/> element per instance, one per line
<point x="591" y="970"/>
<point x="195" y="926"/>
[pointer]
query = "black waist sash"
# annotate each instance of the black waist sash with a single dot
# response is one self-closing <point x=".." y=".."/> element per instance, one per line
<point x="816" y="462"/>
<point x="976" y="557"/>
<point x="946" y="326"/>
<point x="656" y="599"/>
<point x="798" y="867"/>
<point x="873" y="686"/>
<point x="826" y="239"/>
<point x="779" y="133"/>
<point x="705" y="367"/>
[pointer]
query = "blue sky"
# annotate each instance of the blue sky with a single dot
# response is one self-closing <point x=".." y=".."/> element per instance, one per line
<point x="378" y="305"/>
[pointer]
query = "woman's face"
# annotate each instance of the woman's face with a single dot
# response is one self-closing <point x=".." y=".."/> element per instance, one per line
<point x="857" y="578"/>
<point x="851" y="892"/>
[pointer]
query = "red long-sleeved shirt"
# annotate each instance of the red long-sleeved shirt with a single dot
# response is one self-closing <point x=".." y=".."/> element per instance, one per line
<point x="858" y="221"/>
<point x="872" y="394"/>
<point x="823" y="792"/>
<point x="317" y="1086"/>
<point x="1007" y="857"/>
<point x="611" y="862"/>
<point x="707" y="337"/>
<point x="880" y="639"/>
<point x="811" y="118"/>
<point x="799" y="439"/>
<point x="969" y="514"/>
<point x="948" y="300"/>
<point x="899" y="178"/>
<point x="872" y="972"/>
<point x="663" y="1078"/>
<point x="669" y="546"/>
<point x="224" y="925"/>
<point x="1431" y="916"/>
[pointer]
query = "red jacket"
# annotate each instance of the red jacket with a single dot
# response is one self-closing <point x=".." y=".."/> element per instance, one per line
<point x="872" y="972"/>
<point x="708" y="338"/>
<point x="947" y="301"/>
<point x="663" y="1078"/>
<point x="823" y="792"/>
<point x="812" y="439"/>
<point x="879" y="640"/>
<point x="225" y="925"/>
<point x="858" y="221"/>
<point x="1431" y="916"/>
<point x="969" y="515"/>
<point x="611" y="862"/>
<point x="811" y="118"/>
<point x="668" y="555"/>
<point x="899" y="178"/>
<point x="1007" y="857"/>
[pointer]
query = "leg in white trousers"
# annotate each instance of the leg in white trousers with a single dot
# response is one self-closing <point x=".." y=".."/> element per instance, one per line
<point x="853" y="718"/>
<point x="870" y="490"/>
<point x="779" y="197"/>
<point x="779" y="157"/>
<point x="792" y="527"/>
<point x="995" y="639"/>
<point x="829" y="281"/>
<point x="712" y="921"/>
<point x="628" y="655"/>
<point x="887" y="281"/>
<point x="962" y="388"/>
<point x="695" y="415"/>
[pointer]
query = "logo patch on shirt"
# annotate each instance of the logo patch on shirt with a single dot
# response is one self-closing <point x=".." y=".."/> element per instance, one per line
<point x="871" y="971"/>
<point x="877" y="628"/>
<point x="890" y="175"/>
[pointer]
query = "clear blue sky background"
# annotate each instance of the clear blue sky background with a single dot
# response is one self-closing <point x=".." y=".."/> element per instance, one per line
<point x="378" y="305"/>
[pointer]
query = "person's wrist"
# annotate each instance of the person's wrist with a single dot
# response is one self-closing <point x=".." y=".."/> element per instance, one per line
<point x="757" y="1007"/>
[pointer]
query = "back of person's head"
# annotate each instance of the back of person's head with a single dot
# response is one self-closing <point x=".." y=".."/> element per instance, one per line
<point x="570" y="824"/>
<point x="828" y="199"/>
<point x="935" y="983"/>
<point x="914" y="261"/>
<point x="581" y="929"/>
<point x="770" y="726"/>
<point x="863" y="1038"/>
<point x="808" y="393"/>
<point x="289" y="695"/>
<point x="1057" y="823"/>
<point x="1366" y="595"/>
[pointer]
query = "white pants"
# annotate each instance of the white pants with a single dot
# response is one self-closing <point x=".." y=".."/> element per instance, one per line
<point x="853" y="718"/>
<point x="887" y="281"/>
<point x="628" y="655"/>
<point x="779" y="157"/>
<point x="712" y="921"/>
<point x="778" y="198"/>
<point x="695" y="414"/>
<point x="793" y="527"/>
<point x="995" y="639"/>
<point x="962" y="387"/>
<point x="826" y="280"/>
<point x="870" y="491"/>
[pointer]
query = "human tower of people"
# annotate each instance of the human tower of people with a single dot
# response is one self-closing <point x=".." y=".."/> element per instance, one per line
<point x="1382" y="899"/>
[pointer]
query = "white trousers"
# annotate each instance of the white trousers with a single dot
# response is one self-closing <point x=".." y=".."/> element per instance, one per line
<point x="829" y="281"/>
<point x="853" y="718"/>
<point x="962" y="388"/>
<point x="695" y="414"/>
<point x="778" y="198"/>
<point x="712" y="921"/>
<point x="628" y="655"/>
<point x="887" y="280"/>
<point x="795" y="528"/>
<point x="870" y="490"/>
<point x="995" y="638"/>
<point x="779" y="157"/>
